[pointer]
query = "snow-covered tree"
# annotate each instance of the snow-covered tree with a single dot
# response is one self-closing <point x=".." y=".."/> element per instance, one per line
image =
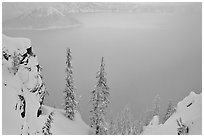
<point x="170" y="110"/>
<point x="70" y="99"/>
<point x="100" y="101"/>
<point x="183" y="129"/>
<point x="15" y="62"/>
<point x="111" y="126"/>
<point x="125" y="122"/>
<point x="42" y="90"/>
<point x="150" y="113"/>
<point x="147" y="117"/>
<point x="46" y="128"/>
<point x="156" y="106"/>
<point x="138" y="127"/>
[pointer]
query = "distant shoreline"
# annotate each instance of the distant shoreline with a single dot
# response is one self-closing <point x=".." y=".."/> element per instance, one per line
<point x="42" y="29"/>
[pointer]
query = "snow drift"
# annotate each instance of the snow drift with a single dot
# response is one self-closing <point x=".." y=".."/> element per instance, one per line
<point x="189" y="110"/>
<point x="18" y="118"/>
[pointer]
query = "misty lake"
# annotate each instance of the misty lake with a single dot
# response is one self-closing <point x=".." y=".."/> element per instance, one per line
<point x="145" y="55"/>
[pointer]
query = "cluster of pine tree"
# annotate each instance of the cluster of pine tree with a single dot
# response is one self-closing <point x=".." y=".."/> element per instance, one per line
<point x="46" y="128"/>
<point x="170" y="110"/>
<point x="123" y="124"/>
<point x="99" y="98"/>
<point x="148" y="115"/>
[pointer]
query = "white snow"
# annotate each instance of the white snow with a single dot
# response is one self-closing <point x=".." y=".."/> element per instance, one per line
<point x="189" y="110"/>
<point x="15" y="44"/>
<point x="11" y="119"/>
<point x="27" y="80"/>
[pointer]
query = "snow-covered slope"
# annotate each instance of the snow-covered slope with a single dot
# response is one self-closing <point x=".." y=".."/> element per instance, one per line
<point x="19" y="119"/>
<point x="190" y="112"/>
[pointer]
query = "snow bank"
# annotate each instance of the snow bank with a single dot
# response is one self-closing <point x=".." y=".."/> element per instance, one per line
<point x="15" y="44"/>
<point x="19" y="120"/>
<point x="189" y="110"/>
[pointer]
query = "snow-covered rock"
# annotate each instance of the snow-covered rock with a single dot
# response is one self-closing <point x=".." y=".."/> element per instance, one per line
<point x="15" y="44"/>
<point x="190" y="112"/>
<point x="23" y="118"/>
<point x="154" y="123"/>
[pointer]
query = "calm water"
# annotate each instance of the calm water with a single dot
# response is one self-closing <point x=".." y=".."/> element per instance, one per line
<point x="145" y="55"/>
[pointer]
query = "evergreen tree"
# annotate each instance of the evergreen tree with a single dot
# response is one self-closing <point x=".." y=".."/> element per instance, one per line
<point x="125" y="122"/>
<point x="147" y="117"/>
<point x="170" y="110"/>
<point x="46" y="128"/>
<point x="70" y="99"/>
<point x="111" y="127"/>
<point x="15" y="62"/>
<point x="42" y="91"/>
<point x="40" y="88"/>
<point x="156" y="106"/>
<point x="100" y="101"/>
<point x="138" y="127"/>
<point x="150" y="113"/>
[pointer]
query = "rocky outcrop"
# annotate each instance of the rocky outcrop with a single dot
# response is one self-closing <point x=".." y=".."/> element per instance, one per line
<point x="21" y="62"/>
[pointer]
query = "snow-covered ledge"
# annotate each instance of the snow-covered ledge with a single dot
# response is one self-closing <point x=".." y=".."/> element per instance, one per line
<point x="29" y="90"/>
<point x="28" y="73"/>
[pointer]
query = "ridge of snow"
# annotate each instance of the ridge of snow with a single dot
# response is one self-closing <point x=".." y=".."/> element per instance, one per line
<point x="15" y="44"/>
<point x="189" y="110"/>
<point x="22" y="83"/>
<point x="154" y="123"/>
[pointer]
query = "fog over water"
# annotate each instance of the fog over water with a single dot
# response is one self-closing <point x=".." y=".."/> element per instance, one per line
<point x="145" y="54"/>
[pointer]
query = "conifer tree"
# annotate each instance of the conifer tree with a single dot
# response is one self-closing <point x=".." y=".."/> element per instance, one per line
<point x="170" y="110"/>
<point x="138" y="127"/>
<point x="125" y="122"/>
<point x="70" y="99"/>
<point x="156" y="106"/>
<point x="147" y="117"/>
<point x="15" y="63"/>
<point x="46" y="128"/>
<point x="111" y="126"/>
<point x="100" y="101"/>
<point x="40" y="88"/>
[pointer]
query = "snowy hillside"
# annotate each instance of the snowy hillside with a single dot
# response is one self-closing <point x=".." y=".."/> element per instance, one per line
<point x="23" y="111"/>
<point x="23" y="92"/>
<point x="189" y="110"/>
